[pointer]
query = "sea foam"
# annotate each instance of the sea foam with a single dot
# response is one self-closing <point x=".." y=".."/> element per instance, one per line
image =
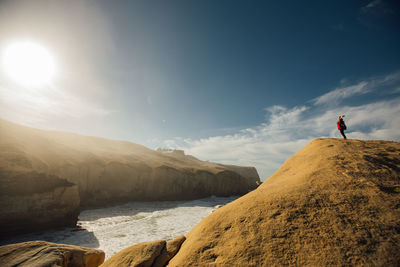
<point x="115" y="228"/>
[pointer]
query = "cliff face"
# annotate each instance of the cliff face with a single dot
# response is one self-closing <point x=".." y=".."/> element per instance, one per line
<point x="33" y="201"/>
<point x="334" y="203"/>
<point x="108" y="171"/>
<point x="249" y="172"/>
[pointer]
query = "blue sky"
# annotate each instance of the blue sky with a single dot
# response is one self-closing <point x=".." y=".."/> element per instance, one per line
<point x="241" y="82"/>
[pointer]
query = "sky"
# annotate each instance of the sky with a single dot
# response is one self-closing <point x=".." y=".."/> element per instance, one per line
<point x="237" y="82"/>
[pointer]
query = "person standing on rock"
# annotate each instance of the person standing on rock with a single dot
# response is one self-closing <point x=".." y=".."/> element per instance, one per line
<point x="341" y="126"/>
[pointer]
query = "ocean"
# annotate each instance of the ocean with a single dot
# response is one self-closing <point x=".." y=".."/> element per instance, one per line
<point x="115" y="228"/>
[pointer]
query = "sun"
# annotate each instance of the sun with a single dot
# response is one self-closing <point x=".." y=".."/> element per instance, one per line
<point x="28" y="63"/>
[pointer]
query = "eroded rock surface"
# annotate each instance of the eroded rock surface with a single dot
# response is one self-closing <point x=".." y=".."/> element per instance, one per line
<point x="334" y="203"/>
<point x="169" y="251"/>
<point x="142" y="254"/>
<point x="146" y="254"/>
<point x="40" y="253"/>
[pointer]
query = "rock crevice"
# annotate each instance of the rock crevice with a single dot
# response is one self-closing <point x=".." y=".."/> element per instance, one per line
<point x="146" y="254"/>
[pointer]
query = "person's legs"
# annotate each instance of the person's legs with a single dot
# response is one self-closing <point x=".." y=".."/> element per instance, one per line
<point x="342" y="132"/>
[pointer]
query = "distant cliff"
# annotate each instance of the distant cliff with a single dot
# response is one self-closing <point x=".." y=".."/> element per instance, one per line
<point x="107" y="171"/>
<point x="33" y="201"/>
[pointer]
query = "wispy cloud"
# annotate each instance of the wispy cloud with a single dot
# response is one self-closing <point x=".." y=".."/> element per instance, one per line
<point x="339" y="94"/>
<point x="377" y="7"/>
<point x="372" y="4"/>
<point x="375" y="12"/>
<point x="285" y="130"/>
<point x="335" y="96"/>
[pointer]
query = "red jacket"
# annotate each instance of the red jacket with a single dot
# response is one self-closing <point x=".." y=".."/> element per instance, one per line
<point x="339" y="123"/>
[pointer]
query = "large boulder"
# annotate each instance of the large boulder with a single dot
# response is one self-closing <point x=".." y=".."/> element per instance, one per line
<point x="142" y="254"/>
<point x="334" y="203"/>
<point x="146" y="254"/>
<point x="40" y="253"/>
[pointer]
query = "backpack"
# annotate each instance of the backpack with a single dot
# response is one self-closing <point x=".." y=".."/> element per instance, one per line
<point x="342" y="125"/>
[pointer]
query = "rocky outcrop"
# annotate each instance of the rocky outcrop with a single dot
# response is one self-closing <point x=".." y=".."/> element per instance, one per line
<point x="334" y="203"/>
<point x="108" y="171"/>
<point x="40" y="253"/>
<point x="169" y="251"/>
<point x="142" y="254"/>
<point x="146" y="254"/>
<point x="33" y="201"/>
<point x="249" y="172"/>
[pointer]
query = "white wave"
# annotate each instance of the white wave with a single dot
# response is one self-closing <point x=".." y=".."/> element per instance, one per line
<point x="115" y="228"/>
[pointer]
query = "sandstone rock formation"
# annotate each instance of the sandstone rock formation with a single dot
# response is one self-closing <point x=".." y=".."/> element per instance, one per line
<point x="146" y="254"/>
<point x="32" y="201"/>
<point x="169" y="251"/>
<point x="334" y="203"/>
<point x="142" y="254"/>
<point x="108" y="171"/>
<point x="40" y="253"/>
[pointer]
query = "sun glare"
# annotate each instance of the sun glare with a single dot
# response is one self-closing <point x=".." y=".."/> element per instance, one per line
<point x="28" y="64"/>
